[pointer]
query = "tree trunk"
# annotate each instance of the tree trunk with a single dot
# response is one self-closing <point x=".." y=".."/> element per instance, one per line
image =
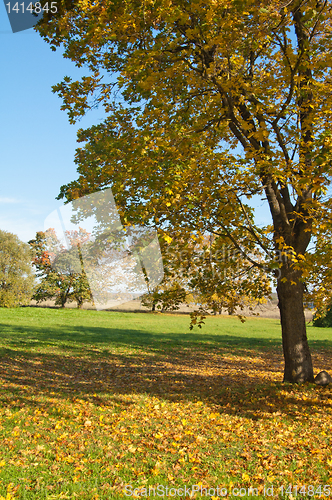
<point x="298" y="363"/>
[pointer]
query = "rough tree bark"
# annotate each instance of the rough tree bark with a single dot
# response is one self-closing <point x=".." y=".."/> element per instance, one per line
<point x="298" y="363"/>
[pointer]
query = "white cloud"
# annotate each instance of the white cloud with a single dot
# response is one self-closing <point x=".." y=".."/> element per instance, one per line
<point x="8" y="200"/>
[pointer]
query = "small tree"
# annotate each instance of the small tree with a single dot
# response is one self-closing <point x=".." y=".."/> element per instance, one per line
<point x="16" y="275"/>
<point x="60" y="272"/>
<point x="165" y="297"/>
<point x="323" y="319"/>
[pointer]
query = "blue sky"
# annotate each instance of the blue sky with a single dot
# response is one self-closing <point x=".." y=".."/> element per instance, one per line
<point x="37" y="142"/>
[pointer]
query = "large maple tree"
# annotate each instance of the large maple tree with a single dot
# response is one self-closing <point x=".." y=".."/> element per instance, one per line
<point x="209" y="103"/>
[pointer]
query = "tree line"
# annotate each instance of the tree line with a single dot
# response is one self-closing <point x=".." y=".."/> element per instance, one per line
<point x="46" y="269"/>
<point x="28" y="271"/>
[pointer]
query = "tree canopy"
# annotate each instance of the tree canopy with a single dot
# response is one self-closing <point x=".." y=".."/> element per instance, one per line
<point x="59" y="270"/>
<point x="208" y="105"/>
<point x="17" y="279"/>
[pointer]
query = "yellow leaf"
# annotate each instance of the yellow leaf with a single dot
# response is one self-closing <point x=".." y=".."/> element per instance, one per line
<point x="245" y="477"/>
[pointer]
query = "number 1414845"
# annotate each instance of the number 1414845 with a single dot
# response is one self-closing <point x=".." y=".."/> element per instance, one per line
<point x="308" y="490"/>
<point x="33" y="8"/>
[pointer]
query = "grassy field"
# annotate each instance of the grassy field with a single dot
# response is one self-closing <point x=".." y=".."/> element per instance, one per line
<point x="95" y="404"/>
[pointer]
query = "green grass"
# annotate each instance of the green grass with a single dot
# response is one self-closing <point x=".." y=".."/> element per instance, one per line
<point x="93" y="401"/>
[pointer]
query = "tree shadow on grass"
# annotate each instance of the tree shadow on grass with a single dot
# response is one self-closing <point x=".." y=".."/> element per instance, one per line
<point x="103" y="365"/>
<point x="116" y="337"/>
<point x="77" y="360"/>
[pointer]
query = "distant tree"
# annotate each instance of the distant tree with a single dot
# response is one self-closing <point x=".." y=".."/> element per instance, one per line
<point x="220" y="277"/>
<point x="60" y="271"/>
<point x="173" y="290"/>
<point x="318" y="276"/>
<point x="323" y="319"/>
<point x="16" y="275"/>
<point x="165" y="297"/>
<point x="204" y="271"/>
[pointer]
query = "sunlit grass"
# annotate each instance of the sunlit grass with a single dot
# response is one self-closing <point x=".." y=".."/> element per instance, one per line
<point x="93" y="401"/>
